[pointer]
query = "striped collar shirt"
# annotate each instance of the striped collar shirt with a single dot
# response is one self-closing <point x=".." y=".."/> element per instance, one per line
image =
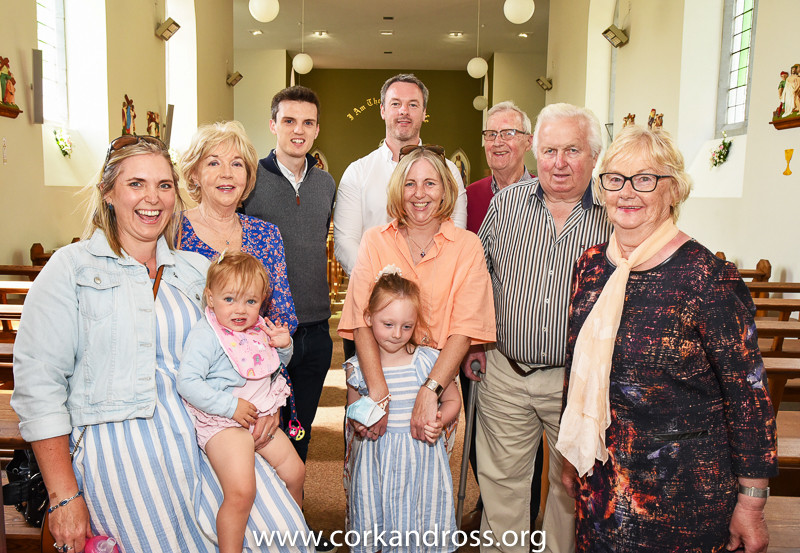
<point x="531" y="268"/>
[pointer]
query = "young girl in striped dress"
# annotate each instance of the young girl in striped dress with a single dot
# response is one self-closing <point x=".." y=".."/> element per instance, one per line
<point x="230" y="375"/>
<point x="400" y="486"/>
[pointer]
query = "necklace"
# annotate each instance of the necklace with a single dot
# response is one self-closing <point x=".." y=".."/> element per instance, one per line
<point x="420" y="248"/>
<point x="235" y="227"/>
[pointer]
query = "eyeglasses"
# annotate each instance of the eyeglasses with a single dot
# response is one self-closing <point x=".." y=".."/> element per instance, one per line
<point x="433" y="148"/>
<point x="505" y="134"/>
<point x="643" y="182"/>
<point x="129" y="140"/>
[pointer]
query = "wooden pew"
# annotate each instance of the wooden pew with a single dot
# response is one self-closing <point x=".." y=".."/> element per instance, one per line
<point x="774" y="287"/>
<point x="761" y="273"/>
<point x="780" y="370"/>
<point x="18" y="535"/>
<point x="28" y="271"/>
<point x="783" y="521"/>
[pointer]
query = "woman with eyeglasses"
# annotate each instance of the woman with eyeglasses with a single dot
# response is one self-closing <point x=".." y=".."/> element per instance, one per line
<point x="447" y="264"/>
<point x="668" y="432"/>
<point x="95" y="363"/>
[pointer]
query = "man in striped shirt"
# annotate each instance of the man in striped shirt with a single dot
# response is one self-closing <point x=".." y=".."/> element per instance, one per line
<point x="533" y="233"/>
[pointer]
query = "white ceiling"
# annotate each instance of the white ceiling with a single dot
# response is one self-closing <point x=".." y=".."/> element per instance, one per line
<point x="420" y="39"/>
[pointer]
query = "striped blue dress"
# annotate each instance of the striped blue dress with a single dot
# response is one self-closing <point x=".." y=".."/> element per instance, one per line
<point x="399" y="484"/>
<point x="147" y="483"/>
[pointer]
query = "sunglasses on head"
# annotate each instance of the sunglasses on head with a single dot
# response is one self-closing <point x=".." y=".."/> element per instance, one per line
<point x="129" y="140"/>
<point x="433" y="148"/>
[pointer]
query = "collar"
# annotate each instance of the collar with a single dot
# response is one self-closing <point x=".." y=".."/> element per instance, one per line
<point x="270" y="163"/>
<point x="447" y="229"/>
<point x="99" y="247"/>
<point x="386" y="152"/>
<point x="286" y="172"/>
<point x="526" y="175"/>
<point x="588" y="199"/>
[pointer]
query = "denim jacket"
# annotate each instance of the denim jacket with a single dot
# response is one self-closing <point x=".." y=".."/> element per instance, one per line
<point x="85" y="352"/>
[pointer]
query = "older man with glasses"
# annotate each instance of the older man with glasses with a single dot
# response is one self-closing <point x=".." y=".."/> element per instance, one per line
<point x="533" y="233"/>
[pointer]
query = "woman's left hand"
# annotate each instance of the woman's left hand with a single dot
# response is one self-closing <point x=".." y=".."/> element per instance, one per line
<point x="748" y="528"/>
<point x="264" y="430"/>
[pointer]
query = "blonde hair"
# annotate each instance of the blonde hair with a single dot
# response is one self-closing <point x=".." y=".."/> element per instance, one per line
<point x="659" y="149"/>
<point x="240" y="268"/>
<point x="394" y="192"/>
<point x="390" y="287"/>
<point x="100" y="215"/>
<point x="208" y="138"/>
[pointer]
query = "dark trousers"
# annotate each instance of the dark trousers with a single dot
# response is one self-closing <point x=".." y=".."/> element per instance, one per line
<point x="536" y="483"/>
<point x="310" y="362"/>
<point x="349" y="347"/>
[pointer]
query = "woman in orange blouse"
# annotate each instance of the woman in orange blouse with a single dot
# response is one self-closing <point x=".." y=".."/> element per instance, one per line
<point x="446" y="262"/>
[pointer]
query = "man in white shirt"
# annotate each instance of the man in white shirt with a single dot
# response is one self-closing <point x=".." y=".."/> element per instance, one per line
<point x="361" y="198"/>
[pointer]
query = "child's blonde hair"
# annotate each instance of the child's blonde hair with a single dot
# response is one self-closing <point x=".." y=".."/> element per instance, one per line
<point x="390" y="287"/>
<point x="241" y="268"/>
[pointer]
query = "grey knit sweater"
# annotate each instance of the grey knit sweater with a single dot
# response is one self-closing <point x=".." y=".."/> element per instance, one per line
<point x="303" y="220"/>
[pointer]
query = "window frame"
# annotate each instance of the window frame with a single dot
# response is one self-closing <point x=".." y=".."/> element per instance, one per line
<point x="723" y="87"/>
<point x="54" y="70"/>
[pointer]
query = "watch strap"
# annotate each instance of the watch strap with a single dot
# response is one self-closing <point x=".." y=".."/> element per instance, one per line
<point x="754" y="492"/>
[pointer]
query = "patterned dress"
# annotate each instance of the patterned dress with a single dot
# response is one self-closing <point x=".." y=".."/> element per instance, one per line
<point x="262" y="240"/>
<point x="145" y="481"/>
<point x="399" y="484"/>
<point x="690" y="409"/>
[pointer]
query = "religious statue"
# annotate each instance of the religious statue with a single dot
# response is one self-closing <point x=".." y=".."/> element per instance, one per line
<point x="128" y="116"/>
<point x="628" y="120"/>
<point x="7" y="82"/>
<point x="651" y="119"/>
<point x="153" y="126"/>
<point x="659" y="121"/>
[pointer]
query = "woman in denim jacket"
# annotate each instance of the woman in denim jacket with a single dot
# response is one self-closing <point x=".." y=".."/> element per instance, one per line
<point x="95" y="363"/>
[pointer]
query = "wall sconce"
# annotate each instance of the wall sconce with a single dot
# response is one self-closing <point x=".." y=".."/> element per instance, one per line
<point x="615" y="36"/>
<point x="167" y="29"/>
<point x="233" y="79"/>
<point x="545" y="83"/>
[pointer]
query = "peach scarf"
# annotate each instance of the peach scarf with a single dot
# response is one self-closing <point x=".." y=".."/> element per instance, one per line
<point x="582" y="437"/>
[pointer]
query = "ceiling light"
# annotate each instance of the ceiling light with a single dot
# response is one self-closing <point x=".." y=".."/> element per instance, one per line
<point x="320" y="33"/>
<point x="480" y="103"/>
<point x="387" y="33"/>
<point x="256" y="32"/>
<point x="264" y="10"/>
<point x="456" y="34"/>
<point x="518" y="11"/>
<point x="615" y="36"/>
<point x="523" y="35"/>
<point x="477" y="67"/>
<point x="167" y="29"/>
<point x="302" y="62"/>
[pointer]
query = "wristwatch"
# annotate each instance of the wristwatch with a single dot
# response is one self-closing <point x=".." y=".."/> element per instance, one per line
<point x="754" y="492"/>
<point x="433" y="386"/>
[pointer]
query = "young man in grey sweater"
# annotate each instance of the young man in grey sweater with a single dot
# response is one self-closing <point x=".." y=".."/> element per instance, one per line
<point x="296" y="196"/>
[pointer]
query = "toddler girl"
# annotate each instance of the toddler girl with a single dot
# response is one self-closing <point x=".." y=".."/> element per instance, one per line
<point x="399" y="484"/>
<point x="230" y="376"/>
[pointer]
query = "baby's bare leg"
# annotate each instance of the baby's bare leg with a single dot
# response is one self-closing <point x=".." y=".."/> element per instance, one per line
<point x="281" y="455"/>
<point x="231" y="455"/>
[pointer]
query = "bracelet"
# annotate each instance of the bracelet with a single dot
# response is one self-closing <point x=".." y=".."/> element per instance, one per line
<point x="64" y="502"/>
<point x="384" y="402"/>
<point x="754" y="492"/>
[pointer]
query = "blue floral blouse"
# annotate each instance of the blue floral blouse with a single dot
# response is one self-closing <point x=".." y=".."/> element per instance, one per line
<point x="262" y="240"/>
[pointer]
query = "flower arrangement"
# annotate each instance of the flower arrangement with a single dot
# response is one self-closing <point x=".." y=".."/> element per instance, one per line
<point x="63" y="141"/>
<point x="719" y="155"/>
<point x="174" y="156"/>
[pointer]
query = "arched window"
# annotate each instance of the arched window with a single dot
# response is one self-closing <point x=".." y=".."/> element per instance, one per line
<point x="738" y="28"/>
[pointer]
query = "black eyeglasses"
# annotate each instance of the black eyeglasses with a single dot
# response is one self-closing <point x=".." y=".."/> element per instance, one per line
<point x="433" y="148"/>
<point x="129" y="140"/>
<point x="642" y="182"/>
<point x="505" y="134"/>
